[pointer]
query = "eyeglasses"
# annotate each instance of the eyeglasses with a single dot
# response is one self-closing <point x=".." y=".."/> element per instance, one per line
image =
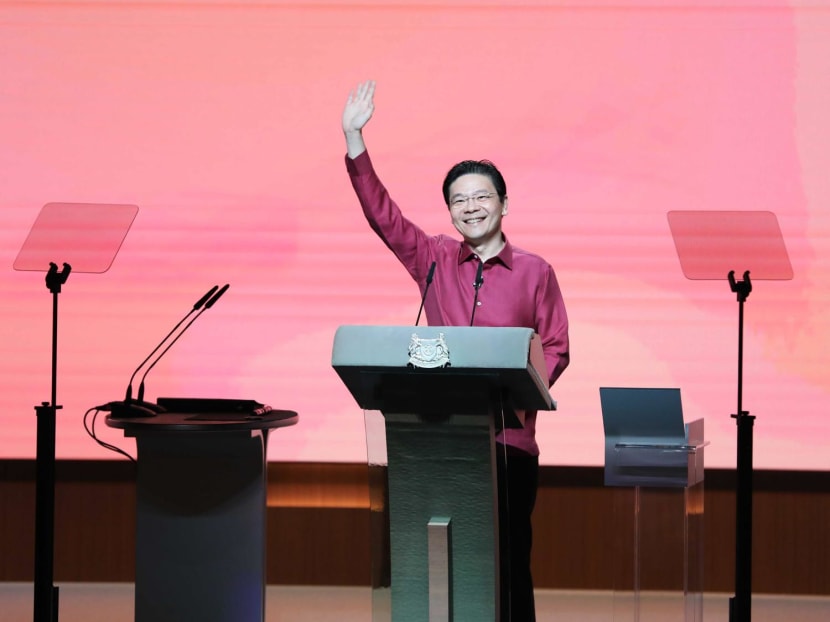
<point x="482" y="198"/>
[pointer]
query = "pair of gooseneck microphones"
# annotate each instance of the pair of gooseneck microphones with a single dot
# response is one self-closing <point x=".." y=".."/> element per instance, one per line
<point x="476" y="284"/>
<point x="138" y="407"/>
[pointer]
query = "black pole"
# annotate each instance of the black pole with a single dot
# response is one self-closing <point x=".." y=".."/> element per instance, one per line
<point x="45" y="592"/>
<point x="740" y="605"/>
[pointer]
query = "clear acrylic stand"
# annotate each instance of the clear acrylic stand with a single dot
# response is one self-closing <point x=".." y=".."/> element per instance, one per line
<point x="666" y="583"/>
<point x="655" y="461"/>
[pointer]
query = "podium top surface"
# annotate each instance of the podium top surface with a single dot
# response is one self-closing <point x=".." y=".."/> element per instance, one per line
<point x="203" y="422"/>
<point x="397" y="368"/>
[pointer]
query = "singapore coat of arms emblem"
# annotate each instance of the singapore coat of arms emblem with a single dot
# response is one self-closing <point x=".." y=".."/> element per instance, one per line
<point x="428" y="353"/>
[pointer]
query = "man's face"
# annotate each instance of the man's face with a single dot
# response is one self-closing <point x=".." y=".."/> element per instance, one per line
<point x="475" y="209"/>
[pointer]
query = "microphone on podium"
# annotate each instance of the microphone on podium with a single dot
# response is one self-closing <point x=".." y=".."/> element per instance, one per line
<point x="207" y="306"/>
<point x="426" y="289"/>
<point x="477" y="284"/>
<point x="139" y="408"/>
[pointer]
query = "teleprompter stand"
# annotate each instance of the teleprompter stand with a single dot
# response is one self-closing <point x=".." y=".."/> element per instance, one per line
<point x="88" y="236"/>
<point x="710" y="244"/>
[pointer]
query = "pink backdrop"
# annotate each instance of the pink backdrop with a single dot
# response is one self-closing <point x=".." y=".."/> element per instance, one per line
<point x="221" y="121"/>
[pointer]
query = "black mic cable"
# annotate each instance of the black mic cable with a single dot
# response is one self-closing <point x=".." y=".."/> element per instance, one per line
<point x="426" y="289"/>
<point x="207" y="306"/>
<point x="90" y="430"/>
<point x="477" y="284"/>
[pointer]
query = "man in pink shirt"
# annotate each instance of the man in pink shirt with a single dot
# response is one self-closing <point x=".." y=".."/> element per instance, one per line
<point x="521" y="290"/>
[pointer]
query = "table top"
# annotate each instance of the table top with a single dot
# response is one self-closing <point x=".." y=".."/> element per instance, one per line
<point x="204" y="422"/>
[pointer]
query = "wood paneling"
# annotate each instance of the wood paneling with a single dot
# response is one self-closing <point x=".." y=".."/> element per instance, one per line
<point x="314" y="546"/>
<point x="319" y="526"/>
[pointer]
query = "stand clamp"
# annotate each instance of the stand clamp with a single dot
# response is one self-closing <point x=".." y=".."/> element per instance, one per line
<point x="742" y="288"/>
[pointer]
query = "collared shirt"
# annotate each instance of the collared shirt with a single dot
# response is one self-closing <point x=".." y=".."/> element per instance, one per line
<point x="519" y="288"/>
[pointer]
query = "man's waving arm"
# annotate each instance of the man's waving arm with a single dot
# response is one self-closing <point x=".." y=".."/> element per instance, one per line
<point x="356" y="114"/>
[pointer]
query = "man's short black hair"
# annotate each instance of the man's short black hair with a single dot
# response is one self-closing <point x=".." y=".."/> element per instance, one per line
<point x="475" y="167"/>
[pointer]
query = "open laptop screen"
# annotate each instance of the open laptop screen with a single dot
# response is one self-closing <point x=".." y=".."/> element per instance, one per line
<point x="642" y="414"/>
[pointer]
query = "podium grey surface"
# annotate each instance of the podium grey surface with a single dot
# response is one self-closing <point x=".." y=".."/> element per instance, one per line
<point x="438" y="437"/>
<point x="200" y="515"/>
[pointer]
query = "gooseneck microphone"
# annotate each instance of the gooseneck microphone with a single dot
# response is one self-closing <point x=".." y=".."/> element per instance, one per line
<point x="426" y="289"/>
<point x="133" y="408"/>
<point x="477" y="285"/>
<point x="207" y="306"/>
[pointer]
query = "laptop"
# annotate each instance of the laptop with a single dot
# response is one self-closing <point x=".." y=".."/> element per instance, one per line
<point x="640" y="415"/>
<point x="646" y="441"/>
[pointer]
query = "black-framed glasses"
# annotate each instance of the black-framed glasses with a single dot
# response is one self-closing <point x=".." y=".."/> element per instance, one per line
<point x="480" y="199"/>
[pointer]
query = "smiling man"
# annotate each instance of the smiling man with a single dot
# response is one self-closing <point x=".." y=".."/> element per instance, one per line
<point x="521" y="290"/>
<point x="477" y="205"/>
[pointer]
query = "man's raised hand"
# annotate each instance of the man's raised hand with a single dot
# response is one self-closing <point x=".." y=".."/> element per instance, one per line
<point x="359" y="107"/>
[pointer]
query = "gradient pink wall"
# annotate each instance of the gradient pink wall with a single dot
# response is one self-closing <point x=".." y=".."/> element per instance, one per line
<point x="221" y="121"/>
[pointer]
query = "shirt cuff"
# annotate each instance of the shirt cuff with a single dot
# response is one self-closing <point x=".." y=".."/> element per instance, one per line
<point x="360" y="165"/>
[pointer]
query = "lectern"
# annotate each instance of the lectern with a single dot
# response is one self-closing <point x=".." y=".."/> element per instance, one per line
<point x="655" y="461"/>
<point x="201" y="514"/>
<point x="443" y="393"/>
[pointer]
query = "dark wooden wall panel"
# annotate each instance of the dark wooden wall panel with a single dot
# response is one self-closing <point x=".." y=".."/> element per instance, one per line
<point x="319" y="527"/>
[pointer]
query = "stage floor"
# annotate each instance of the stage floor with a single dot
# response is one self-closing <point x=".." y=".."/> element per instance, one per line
<point x="113" y="602"/>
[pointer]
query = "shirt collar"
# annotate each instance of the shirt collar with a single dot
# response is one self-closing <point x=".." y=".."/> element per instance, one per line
<point x="505" y="255"/>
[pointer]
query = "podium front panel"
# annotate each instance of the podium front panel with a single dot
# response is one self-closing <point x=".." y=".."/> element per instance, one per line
<point x="200" y="526"/>
<point x="442" y="469"/>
